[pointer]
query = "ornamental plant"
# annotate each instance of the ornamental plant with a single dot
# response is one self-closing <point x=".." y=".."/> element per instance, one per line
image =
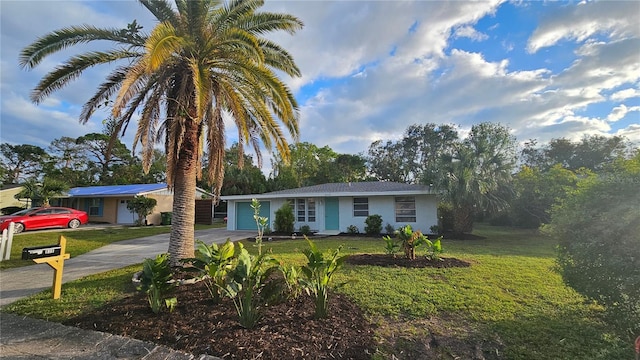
<point x="244" y="283"/>
<point x="214" y="263"/>
<point x="317" y="275"/>
<point x="156" y="281"/>
<point x="391" y="246"/>
<point x="262" y="223"/>
<point x="411" y="239"/>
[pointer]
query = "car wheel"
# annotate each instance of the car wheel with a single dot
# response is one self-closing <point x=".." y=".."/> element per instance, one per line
<point x="18" y="228"/>
<point x="74" y="223"/>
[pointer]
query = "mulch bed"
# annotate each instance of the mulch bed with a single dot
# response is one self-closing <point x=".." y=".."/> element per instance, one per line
<point x="401" y="261"/>
<point x="198" y="326"/>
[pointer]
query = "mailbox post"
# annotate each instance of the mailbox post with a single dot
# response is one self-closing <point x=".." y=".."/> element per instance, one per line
<point x="52" y="255"/>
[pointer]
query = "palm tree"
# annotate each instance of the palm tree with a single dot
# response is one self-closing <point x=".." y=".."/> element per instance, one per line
<point x="477" y="175"/>
<point x="42" y="192"/>
<point x="204" y="61"/>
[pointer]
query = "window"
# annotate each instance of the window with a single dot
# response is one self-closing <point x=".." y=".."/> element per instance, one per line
<point x="304" y="209"/>
<point x="311" y="210"/>
<point x="360" y="207"/>
<point x="95" y="207"/>
<point x="301" y="210"/>
<point x="405" y="209"/>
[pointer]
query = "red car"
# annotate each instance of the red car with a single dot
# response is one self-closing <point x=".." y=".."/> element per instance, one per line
<point x="44" y="217"/>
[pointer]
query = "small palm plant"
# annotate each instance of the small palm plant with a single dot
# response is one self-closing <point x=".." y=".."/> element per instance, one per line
<point x="317" y="275"/>
<point x="412" y="239"/>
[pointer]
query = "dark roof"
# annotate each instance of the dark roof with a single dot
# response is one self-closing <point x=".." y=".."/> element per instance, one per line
<point x="116" y="190"/>
<point x="354" y="187"/>
<point x="10" y="186"/>
<point x="343" y="189"/>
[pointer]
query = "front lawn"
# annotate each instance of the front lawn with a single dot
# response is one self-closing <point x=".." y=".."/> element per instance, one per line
<point x="80" y="241"/>
<point x="509" y="304"/>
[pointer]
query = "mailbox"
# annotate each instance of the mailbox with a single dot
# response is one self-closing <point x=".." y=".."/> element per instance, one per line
<point x="38" y="252"/>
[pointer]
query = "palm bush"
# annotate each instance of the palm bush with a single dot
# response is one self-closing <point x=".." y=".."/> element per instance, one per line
<point x="214" y="263"/>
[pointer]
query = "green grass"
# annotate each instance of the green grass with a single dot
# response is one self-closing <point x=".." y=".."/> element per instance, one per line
<point x="80" y="241"/>
<point x="510" y="295"/>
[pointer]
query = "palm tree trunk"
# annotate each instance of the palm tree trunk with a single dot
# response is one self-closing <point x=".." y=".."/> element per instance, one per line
<point x="182" y="238"/>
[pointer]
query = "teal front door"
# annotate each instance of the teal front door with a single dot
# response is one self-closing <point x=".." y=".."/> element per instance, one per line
<point x="331" y="214"/>
<point x="244" y="215"/>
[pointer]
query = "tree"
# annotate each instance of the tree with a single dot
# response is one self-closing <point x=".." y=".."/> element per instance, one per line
<point x="591" y="152"/>
<point x="598" y="231"/>
<point x="414" y="158"/>
<point x="536" y="191"/>
<point x="308" y="165"/>
<point x="244" y="180"/>
<point x="478" y="174"/>
<point x="104" y="156"/>
<point x="205" y="61"/>
<point x="142" y="206"/>
<point x="22" y="161"/>
<point x="69" y="162"/>
<point x="42" y="192"/>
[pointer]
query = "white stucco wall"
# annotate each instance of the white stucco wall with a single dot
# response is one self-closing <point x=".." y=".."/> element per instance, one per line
<point x="426" y="213"/>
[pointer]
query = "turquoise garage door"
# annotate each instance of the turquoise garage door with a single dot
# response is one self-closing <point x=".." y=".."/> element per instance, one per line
<point x="244" y="215"/>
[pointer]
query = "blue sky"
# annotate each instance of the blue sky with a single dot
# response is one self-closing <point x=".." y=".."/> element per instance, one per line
<point x="372" y="68"/>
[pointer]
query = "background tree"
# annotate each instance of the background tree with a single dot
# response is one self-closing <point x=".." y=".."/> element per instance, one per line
<point x="415" y="157"/>
<point x="478" y="174"/>
<point x="536" y="191"/>
<point x="598" y="231"/>
<point x="591" y="152"/>
<point x="104" y="156"/>
<point x="69" y="162"/>
<point x="203" y="60"/>
<point x="244" y="180"/>
<point x="22" y="161"/>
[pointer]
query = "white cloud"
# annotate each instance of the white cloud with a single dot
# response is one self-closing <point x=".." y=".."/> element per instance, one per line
<point x="625" y="94"/>
<point x="620" y="112"/>
<point x="469" y="32"/>
<point x="615" y="19"/>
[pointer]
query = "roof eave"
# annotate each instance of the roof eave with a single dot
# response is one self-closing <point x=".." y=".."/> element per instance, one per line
<point x="327" y="194"/>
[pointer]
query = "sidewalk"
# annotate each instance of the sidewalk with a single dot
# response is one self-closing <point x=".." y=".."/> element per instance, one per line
<point x="26" y="338"/>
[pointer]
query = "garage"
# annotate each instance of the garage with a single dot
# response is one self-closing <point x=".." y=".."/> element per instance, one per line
<point x="244" y="215"/>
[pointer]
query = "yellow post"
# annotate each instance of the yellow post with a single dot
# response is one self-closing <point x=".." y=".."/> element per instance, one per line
<point x="57" y="263"/>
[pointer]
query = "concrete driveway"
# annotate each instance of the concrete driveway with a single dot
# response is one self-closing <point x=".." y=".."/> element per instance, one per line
<point x="24" y="281"/>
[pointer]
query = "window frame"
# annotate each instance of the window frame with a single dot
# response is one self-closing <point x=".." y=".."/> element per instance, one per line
<point x="404" y="213"/>
<point x="363" y="210"/>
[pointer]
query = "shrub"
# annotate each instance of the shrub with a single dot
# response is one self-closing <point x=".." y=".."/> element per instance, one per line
<point x="373" y="225"/>
<point x="445" y="217"/>
<point x="389" y="229"/>
<point x="435" y="229"/>
<point x="317" y="276"/>
<point x="156" y="282"/>
<point x="305" y="230"/>
<point x="142" y="206"/>
<point x="598" y="231"/>
<point x="284" y="219"/>
<point x="352" y="229"/>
